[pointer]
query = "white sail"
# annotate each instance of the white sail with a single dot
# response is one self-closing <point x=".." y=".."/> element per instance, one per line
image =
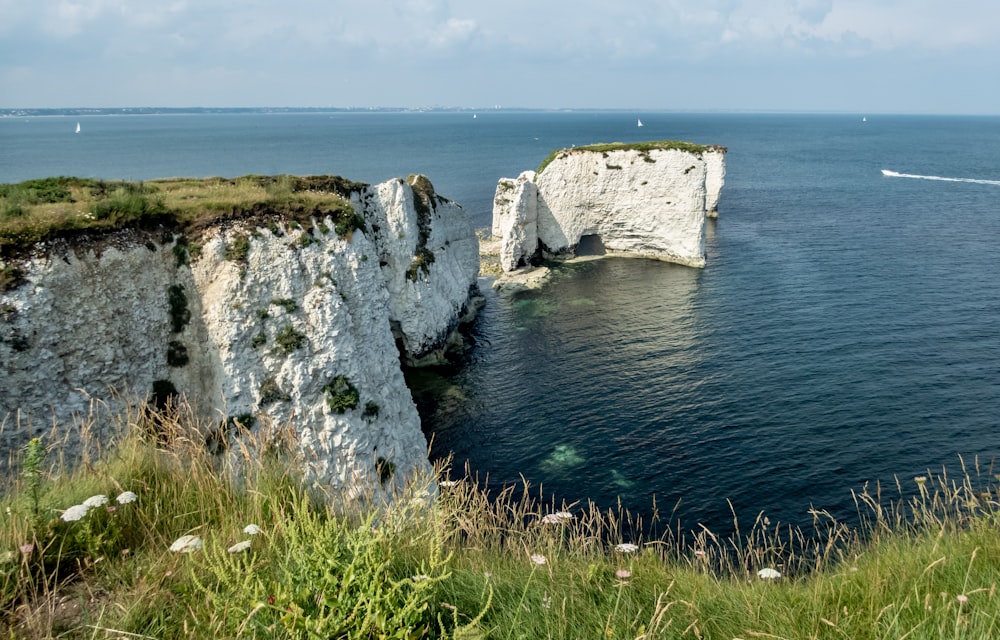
<point x="78" y="127"/>
<point x="640" y="123"/>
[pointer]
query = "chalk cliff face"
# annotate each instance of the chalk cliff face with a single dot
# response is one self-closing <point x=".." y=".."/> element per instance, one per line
<point x="297" y="325"/>
<point x="649" y="203"/>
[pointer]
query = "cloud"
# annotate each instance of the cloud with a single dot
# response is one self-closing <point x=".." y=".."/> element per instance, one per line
<point x="558" y="48"/>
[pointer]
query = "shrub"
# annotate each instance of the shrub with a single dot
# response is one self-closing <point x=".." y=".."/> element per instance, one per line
<point x="180" y="315"/>
<point x="238" y="248"/>
<point x="289" y="339"/>
<point x="270" y="392"/>
<point x="371" y="410"/>
<point x="341" y="394"/>
<point x="177" y="354"/>
<point x="287" y="304"/>
<point x="164" y="393"/>
<point x="422" y="262"/>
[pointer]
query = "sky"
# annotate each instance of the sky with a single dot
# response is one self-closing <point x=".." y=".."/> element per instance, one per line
<point x="861" y="56"/>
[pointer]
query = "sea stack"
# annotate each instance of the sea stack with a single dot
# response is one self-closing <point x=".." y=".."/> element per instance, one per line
<point x="646" y="199"/>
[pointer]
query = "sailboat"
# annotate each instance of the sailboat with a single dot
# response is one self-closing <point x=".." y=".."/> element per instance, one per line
<point x="78" y="127"/>
<point x="640" y="123"/>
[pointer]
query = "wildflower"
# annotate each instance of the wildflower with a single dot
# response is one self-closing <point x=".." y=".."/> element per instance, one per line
<point x="962" y="598"/>
<point x="27" y="548"/>
<point x="251" y="529"/>
<point x="488" y="575"/>
<point x="74" y="513"/>
<point x="538" y="558"/>
<point x="623" y="574"/>
<point x="767" y="573"/>
<point x="126" y="497"/>
<point x="547" y="601"/>
<point x="96" y="501"/>
<point x="186" y="544"/>
<point x="920" y="480"/>
<point x="551" y="518"/>
<point x="420" y="578"/>
<point x="627" y="547"/>
<point x="447" y="483"/>
<point x="239" y="546"/>
<point x="699" y="552"/>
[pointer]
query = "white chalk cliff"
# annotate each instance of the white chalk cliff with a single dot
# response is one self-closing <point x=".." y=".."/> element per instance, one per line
<point x="303" y="327"/>
<point x="649" y="201"/>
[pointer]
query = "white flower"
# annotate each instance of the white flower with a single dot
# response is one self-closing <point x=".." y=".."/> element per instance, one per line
<point x="186" y="544"/>
<point x="767" y="573"/>
<point x="74" y="513"/>
<point x="251" y="530"/>
<point x="448" y="483"/>
<point x="623" y="574"/>
<point x="126" y="497"/>
<point x="239" y="546"/>
<point x="962" y="598"/>
<point x="96" y="501"/>
<point x="627" y="547"/>
<point x="557" y="518"/>
<point x="420" y="578"/>
<point x="538" y="558"/>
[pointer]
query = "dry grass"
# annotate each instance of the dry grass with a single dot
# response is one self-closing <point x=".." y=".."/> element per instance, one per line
<point x="39" y="210"/>
<point x="458" y="561"/>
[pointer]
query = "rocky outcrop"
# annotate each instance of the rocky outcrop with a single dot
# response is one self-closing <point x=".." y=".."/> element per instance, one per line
<point x="648" y="200"/>
<point x="279" y="323"/>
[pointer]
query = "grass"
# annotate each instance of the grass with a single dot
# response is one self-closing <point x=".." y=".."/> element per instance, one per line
<point x="643" y="147"/>
<point x="468" y="563"/>
<point x="38" y="210"/>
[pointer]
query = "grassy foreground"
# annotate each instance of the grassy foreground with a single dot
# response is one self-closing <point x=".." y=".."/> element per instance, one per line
<point x="154" y="537"/>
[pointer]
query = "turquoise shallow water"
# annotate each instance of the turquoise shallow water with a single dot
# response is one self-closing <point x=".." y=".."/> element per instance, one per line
<point x="845" y="329"/>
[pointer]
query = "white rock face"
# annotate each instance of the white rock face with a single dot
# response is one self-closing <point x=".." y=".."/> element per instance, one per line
<point x="276" y="334"/>
<point x="429" y="255"/>
<point x="643" y="203"/>
<point x="715" y="179"/>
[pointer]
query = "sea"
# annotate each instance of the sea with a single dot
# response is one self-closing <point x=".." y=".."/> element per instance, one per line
<point x="845" y="332"/>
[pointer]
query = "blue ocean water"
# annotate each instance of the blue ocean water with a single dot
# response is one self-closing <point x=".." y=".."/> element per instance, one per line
<point x="844" y="331"/>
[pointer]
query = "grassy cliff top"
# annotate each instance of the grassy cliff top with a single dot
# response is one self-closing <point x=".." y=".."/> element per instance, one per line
<point x="642" y="147"/>
<point x="37" y="210"/>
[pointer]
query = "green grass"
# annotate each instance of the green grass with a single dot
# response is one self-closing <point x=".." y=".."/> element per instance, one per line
<point x="39" y="210"/>
<point x="458" y="565"/>
<point x="643" y="147"/>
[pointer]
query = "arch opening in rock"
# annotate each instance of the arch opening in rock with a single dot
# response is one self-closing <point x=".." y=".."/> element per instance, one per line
<point x="590" y="245"/>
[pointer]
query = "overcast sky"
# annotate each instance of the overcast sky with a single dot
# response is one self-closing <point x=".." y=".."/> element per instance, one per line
<point x="864" y="56"/>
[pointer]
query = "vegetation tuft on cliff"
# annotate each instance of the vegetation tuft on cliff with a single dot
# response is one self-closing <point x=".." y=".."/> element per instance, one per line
<point x="39" y="210"/>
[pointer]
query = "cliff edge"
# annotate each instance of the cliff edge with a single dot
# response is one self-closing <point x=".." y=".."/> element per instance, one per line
<point x="255" y="318"/>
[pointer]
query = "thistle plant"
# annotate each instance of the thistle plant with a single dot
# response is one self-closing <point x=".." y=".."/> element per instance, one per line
<point x="34" y="456"/>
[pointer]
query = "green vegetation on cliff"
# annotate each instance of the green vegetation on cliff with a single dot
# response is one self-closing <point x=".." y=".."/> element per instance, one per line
<point x="156" y="537"/>
<point x="40" y="210"/>
<point x="643" y="147"/>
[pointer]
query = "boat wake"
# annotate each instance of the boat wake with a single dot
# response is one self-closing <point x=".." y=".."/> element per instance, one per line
<point x="894" y="174"/>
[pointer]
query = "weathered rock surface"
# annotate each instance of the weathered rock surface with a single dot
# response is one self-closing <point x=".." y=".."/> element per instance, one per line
<point x="288" y="330"/>
<point x="650" y="203"/>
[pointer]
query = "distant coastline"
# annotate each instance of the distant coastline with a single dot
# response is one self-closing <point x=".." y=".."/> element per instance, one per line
<point x="146" y="111"/>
